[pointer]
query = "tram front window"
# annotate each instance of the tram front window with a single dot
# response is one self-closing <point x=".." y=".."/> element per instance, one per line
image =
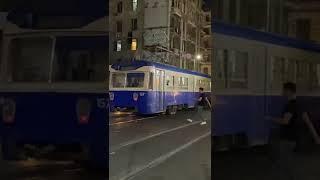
<point x="135" y="80"/>
<point x="30" y="59"/>
<point x="80" y="59"/>
<point x="118" y="80"/>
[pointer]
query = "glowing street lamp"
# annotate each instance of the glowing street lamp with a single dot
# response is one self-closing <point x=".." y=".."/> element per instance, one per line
<point x="198" y="57"/>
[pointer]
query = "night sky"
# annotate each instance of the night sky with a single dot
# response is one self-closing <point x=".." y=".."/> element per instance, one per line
<point x="208" y="3"/>
<point x="63" y="7"/>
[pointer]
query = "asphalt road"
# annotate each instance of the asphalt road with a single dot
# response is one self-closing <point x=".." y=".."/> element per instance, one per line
<point x="152" y="147"/>
<point x="140" y="148"/>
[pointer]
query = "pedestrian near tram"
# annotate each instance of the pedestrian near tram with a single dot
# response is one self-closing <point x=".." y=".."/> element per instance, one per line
<point x="202" y="102"/>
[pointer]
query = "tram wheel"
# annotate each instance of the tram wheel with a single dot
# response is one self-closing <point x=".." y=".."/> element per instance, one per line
<point x="172" y="110"/>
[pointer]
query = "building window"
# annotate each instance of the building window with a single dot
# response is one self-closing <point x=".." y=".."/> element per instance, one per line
<point x="119" y="26"/>
<point x="134" y="44"/>
<point x="206" y="70"/>
<point x="134" y="5"/>
<point x="134" y="24"/>
<point x="119" y="45"/>
<point x="119" y="7"/>
<point x="303" y="29"/>
<point x="238" y="69"/>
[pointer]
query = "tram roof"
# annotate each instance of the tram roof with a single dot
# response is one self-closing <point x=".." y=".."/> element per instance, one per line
<point x="140" y="63"/>
<point x="272" y="38"/>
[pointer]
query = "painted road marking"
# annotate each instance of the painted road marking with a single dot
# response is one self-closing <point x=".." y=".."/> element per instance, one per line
<point x="134" y="120"/>
<point x="135" y="141"/>
<point x="138" y="170"/>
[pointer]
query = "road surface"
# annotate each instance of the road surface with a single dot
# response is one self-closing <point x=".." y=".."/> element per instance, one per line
<point x="154" y="147"/>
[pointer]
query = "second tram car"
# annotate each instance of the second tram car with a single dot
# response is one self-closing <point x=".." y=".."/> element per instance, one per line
<point x="53" y="89"/>
<point x="149" y="87"/>
<point x="250" y="68"/>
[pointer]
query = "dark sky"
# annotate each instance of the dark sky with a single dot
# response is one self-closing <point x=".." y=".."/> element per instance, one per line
<point x="64" y="7"/>
<point x="208" y="3"/>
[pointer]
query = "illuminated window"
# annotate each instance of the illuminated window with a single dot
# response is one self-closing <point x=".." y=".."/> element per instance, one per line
<point x="134" y="5"/>
<point x="118" y="45"/>
<point x="134" y="44"/>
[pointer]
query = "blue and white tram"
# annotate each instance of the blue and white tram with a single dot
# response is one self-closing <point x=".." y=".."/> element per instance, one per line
<point x="249" y="69"/>
<point x="53" y="89"/>
<point x="149" y="87"/>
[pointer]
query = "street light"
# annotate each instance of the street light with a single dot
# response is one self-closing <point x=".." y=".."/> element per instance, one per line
<point x="199" y="57"/>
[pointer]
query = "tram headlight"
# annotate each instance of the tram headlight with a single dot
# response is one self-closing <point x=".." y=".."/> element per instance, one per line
<point x="83" y="111"/>
<point x="8" y="111"/>
<point x="135" y="96"/>
<point x="111" y="96"/>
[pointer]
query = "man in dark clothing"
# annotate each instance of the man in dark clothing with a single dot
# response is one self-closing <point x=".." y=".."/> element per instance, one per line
<point x="203" y="101"/>
<point x="294" y="126"/>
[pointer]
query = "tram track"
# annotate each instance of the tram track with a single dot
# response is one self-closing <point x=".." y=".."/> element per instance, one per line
<point x="134" y="157"/>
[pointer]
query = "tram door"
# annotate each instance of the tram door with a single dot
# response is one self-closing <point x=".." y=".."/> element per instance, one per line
<point x="159" y="87"/>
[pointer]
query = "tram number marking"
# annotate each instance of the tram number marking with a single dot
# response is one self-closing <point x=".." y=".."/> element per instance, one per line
<point x="102" y="103"/>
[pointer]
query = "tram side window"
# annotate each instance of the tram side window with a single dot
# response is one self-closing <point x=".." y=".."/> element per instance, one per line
<point x="118" y="80"/>
<point x="170" y="82"/>
<point x="238" y="69"/>
<point x="151" y="77"/>
<point x="291" y="70"/>
<point x="183" y="83"/>
<point x="303" y="74"/>
<point x="30" y="59"/>
<point x="318" y="75"/>
<point x="219" y="65"/>
<point x="313" y="76"/>
<point x="135" y="80"/>
<point x="278" y="72"/>
<point x="205" y="84"/>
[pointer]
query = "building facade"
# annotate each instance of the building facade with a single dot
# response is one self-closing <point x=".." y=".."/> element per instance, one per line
<point x="304" y="19"/>
<point x="264" y="15"/>
<point x="174" y="32"/>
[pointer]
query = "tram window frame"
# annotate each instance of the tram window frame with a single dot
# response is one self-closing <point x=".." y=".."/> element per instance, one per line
<point x="113" y="80"/>
<point x="140" y="85"/>
<point x="151" y="81"/>
<point x="220" y="64"/>
<point x="313" y="77"/>
<point x="291" y="70"/>
<point x="278" y="71"/>
<point x="170" y="82"/>
<point x="183" y="83"/>
<point x="68" y="60"/>
<point x="12" y="55"/>
<point x="302" y="71"/>
<point x="238" y="79"/>
<point x="205" y="84"/>
<point x="318" y="75"/>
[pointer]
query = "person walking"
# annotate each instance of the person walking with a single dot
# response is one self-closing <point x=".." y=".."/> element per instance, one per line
<point x="292" y="128"/>
<point x="202" y="102"/>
